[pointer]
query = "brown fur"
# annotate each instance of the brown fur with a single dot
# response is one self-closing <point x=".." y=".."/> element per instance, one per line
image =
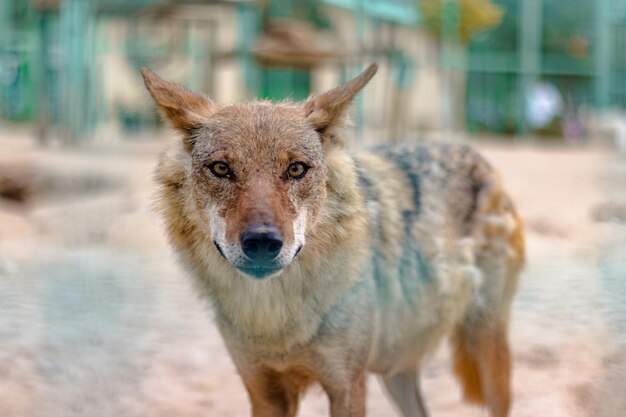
<point x="467" y="370"/>
<point x="383" y="255"/>
<point x="182" y="108"/>
<point x="482" y="363"/>
<point x="327" y="112"/>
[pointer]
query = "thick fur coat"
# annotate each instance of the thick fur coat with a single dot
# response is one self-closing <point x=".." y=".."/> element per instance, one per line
<point x="382" y="254"/>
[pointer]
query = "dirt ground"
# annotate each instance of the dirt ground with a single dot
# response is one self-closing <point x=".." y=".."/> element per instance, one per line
<point x="96" y="319"/>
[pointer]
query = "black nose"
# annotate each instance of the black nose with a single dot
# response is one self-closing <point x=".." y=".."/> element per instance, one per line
<point x="261" y="242"/>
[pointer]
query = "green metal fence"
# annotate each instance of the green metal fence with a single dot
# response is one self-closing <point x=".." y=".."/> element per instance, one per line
<point x="574" y="45"/>
<point x="48" y="57"/>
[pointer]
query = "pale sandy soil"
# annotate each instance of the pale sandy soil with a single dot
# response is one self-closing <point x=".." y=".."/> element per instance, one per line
<point x="96" y="319"/>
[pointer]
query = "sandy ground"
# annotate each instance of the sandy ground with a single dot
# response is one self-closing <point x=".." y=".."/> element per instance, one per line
<point x="96" y="319"/>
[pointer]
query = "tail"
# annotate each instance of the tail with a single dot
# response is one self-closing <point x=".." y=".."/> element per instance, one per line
<point x="466" y="370"/>
<point x="482" y="361"/>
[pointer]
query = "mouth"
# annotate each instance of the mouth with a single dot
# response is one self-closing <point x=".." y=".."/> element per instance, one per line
<point x="259" y="272"/>
<point x="254" y="270"/>
<point x="219" y="250"/>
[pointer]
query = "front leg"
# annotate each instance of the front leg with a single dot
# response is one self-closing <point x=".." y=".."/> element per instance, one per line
<point x="346" y="400"/>
<point x="271" y="394"/>
<point x="343" y="349"/>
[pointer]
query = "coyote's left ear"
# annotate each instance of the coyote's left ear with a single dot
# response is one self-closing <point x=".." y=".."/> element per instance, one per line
<point x="183" y="109"/>
<point x="328" y="111"/>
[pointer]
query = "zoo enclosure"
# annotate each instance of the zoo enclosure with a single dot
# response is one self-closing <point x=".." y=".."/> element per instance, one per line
<point x="50" y="70"/>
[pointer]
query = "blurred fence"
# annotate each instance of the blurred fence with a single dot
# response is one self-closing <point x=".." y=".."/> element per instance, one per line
<point x="575" y="45"/>
<point x="501" y="66"/>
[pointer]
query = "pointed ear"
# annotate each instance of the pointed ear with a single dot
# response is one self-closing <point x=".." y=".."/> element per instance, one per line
<point x="183" y="109"/>
<point x="328" y="111"/>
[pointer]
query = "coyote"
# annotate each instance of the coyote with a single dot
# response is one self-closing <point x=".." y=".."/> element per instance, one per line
<point x="322" y="265"/>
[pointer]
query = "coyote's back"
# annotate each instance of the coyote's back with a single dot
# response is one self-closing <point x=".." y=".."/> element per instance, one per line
<point x="447" y="249"/>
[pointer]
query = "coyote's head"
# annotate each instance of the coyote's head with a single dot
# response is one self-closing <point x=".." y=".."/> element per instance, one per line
<point x="257" y="171"/>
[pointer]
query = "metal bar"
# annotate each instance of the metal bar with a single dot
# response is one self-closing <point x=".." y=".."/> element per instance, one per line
<point x="602" y="54"/>
<point x="42" y="81"/>
<point x="5" y="42"/>
<point x="360" y="30"/>
<point x="248" y="28"/>
<point x="77" y="112"/>
<point x="450" y="61"/>
<point x="530" y="30"/>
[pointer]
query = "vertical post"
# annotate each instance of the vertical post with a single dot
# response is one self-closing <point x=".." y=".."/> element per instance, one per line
<point x="602" y="54"/>
<point x="102" y="51"/>
<point x="5" y="24"/>
<point x="451" y="54"/>
<point x="91" y="80"/>
<point x="208" y="85"/>
<point x="5" y="41"/>
<point x="42" y="83"/>
<point x="530" y="28"/>
<point x="360" y="30"/>
<point x="248" y="28"/>
<point x="77" y="113"/>
<point x="195" y="53"/>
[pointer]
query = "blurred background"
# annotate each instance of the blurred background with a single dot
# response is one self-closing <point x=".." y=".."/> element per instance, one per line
<point x="545" y="67"/>
<point x="96" y="319"/>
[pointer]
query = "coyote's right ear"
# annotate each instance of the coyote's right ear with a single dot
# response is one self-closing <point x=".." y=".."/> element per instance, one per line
<point x="328" y="111"/>
<point x="183" y="109"/>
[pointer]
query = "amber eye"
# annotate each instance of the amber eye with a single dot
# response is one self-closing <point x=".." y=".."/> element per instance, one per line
<point x="221" y="169"/>
<point x="297" y="170"/>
